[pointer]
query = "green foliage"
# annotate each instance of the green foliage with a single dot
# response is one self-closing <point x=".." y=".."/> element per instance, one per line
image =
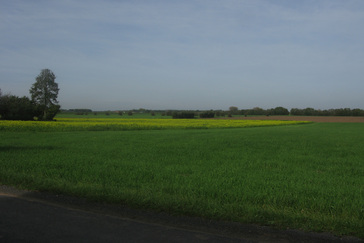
<point x="207" y="114"/>
<point x="233" y="110"/>
<point x="343" y="112"/>
<point x="16" y="108"/>
<point x="52" y="112"/>
<point x="183" y="115"/>
<point x="278" y="111"/>
<point x="44" y="93"/>
<point x="220" y="113"/>
<point x="296" y="112"/>
<point x="80" y="111"/>
<point x="257" y="111"/>
<point x="332" y="112"/>
<point x="357" y="112"/>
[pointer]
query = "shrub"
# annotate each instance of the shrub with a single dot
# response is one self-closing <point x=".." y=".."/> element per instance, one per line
<point x="183" y="115"/>
<point x="256" y="111"/>
<point x="207" y="114"/>
<point x="220" y="113"/>
<point x="278" y="111"/>
<point x="14" y="108"/>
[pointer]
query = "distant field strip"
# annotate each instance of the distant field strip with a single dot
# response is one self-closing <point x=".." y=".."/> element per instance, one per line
<point x="100" y="124"/>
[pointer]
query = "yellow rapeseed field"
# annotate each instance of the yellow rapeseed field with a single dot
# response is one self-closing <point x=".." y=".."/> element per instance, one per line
<point x="104" y="124"/>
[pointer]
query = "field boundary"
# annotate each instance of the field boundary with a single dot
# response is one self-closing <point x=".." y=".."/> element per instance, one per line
<point x="351" y="119"/>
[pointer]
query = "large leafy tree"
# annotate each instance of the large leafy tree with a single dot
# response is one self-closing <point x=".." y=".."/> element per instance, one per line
<point x="44" y="93"/>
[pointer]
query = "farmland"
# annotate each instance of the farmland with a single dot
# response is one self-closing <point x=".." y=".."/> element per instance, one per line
<point x="104" y="124"/>
<point x="302" y="176"/>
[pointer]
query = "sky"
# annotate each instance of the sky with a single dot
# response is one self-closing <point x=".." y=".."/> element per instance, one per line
<point x="190" y="54"/>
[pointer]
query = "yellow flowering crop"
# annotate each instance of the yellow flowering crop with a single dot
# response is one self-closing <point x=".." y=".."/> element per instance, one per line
<point x="104" y="124"/>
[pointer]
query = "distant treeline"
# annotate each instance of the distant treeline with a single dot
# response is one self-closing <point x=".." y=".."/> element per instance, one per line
<point x="79" y="111"/>
<point x="281" y="111"/>
<point x="257" y="111"/>
<point x="330" y="112"/>
<point x="304" y="112"/>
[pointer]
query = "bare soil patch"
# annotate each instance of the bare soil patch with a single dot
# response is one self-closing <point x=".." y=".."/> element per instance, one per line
<point x="304" y="118"/>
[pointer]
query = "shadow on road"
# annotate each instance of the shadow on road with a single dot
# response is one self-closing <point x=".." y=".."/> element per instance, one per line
<point x="44" y="217"/>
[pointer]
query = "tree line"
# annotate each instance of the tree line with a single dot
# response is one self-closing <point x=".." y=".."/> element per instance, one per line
<point x="330" y="112"/>
<point x="301" y="112"/>
<point x="42" y="105"/>
<point x="257" y="111"/>
<point x="232" y="111"/>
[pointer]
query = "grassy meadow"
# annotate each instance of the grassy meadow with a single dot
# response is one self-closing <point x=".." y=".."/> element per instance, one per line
<point x="303" y="176"/>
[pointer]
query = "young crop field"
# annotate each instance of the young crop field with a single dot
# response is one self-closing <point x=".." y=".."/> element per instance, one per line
<point x="306" y="176"/>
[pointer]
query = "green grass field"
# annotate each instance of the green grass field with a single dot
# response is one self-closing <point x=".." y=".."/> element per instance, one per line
<point x="307" y="176"/>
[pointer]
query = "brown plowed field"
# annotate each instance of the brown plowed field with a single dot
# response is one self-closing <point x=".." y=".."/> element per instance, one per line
<point x="304" y="118"/>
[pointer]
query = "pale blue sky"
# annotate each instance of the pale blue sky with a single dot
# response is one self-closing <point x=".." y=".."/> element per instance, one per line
<point x="202" y="54"/>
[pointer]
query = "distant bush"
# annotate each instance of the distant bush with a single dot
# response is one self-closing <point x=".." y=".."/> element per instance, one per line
<point x="256" y="111"/>
<point x="207" y="114"/>
<point x="278" y="111"/>
<point x="183" y="115"/>
<point x="80" y="110"/>
<point x="15" y="108"/>
<point x="234" y="110"/>
<point x="220" y="113"/>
